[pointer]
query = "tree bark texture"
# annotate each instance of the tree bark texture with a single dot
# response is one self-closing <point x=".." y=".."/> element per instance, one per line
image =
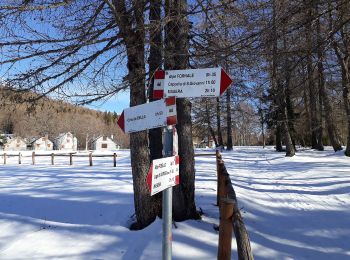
<point x="278" y="137"/>
<point x="346" y="97"/>
<point x="287" y="95"/>
<point x="328" y="112"/>
<point x="313" y="96"/>
<point x="218" y="122"/>
<point x="229" y="120"/>
<point x="155" y="62"/>
<point x="145" y="208"/>
<point x="343" y="55"/>
<point x="176" y="57"/>
<point x="211" y="130"/>
<point x="280" y="94"/>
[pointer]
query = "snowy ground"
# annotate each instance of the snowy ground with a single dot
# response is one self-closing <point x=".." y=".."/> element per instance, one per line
<point x="294" y="208"/>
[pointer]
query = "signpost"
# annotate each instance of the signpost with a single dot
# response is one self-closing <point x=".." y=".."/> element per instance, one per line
<point x="147" y="116"/>
<point x="164" y="173"/>
<point x="210" y="82"/>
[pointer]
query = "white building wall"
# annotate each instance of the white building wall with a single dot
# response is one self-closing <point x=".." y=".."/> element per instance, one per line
<point x="42" y="144"/>
<point x="104" y="145"/>
<point x="15" y="144"/>
<point x="66" y="142"/>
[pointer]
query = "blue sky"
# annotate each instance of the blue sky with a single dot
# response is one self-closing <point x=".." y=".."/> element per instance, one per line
<point x="115" y="104"/>
<point x="109" y="76"/>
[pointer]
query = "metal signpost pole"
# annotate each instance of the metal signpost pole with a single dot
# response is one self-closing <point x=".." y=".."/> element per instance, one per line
<point x="167" y="202"/>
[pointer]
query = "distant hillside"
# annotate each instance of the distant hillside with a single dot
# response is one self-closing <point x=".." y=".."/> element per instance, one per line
<point x="48" y="116"/>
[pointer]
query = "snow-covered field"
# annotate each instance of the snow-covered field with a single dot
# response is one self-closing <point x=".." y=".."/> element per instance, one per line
<point x="294" y="208"/>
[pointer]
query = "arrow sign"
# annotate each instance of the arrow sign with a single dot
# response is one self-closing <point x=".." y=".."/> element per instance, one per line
<point x="147" y="116"/>
<point x="210" y="82"/>
<point x="163" y="173"/>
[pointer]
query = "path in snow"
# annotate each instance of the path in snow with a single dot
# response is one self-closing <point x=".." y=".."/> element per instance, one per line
<point x="294" y="208"/>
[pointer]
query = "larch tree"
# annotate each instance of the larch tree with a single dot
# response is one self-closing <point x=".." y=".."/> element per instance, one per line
<point x="341" y="45"/>
<point x="79" y="49"/>
<point x="177" y="57"/>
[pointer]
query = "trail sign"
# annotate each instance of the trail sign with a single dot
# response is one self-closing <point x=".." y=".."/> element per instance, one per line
<point x="210" y="82"/>
<point x="163" y="173"/>
<point x="147" y="116"/>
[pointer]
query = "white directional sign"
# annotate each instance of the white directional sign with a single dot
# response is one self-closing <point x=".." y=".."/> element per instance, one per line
<point x="210" y="82"/>
<point x="147" y="116"/>
<point x="163" y="173"/>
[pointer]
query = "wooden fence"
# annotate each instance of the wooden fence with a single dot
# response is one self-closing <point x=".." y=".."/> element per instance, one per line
<point x="70" y="155"/>
<point x="53" y="155"/>
<point x="230" y="217"/>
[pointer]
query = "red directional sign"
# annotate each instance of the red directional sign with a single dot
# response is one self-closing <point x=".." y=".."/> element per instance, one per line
<point x="210" y="82"/>
<point x="147" y="116"/>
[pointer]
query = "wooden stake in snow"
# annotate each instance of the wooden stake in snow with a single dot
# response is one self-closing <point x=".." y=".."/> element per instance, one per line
<point x="225" y="229"/>
<point x="52" y="159"/>
<point x="114" y="160"/>
<point x="70" y="158"/>
<point x="33" y="158"/>
<point x="19" y="158"/>
<point x="4" y="158"/>
<point x="90" y="159"/>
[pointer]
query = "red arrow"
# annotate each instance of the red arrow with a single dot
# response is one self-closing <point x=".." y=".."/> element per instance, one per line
<point x="121" y="122"/>
<point x="149" y="178"/>
<point x="225" y="81"/>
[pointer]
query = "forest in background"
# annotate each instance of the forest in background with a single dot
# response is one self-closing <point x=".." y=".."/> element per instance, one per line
<point x="289" y="61"/>
<point x="290" y="64"/>
<point x="52" y="117"/>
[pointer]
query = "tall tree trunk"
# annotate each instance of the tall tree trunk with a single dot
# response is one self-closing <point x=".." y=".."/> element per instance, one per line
<point x="343" y="55"/>
<point x="177" y="31"/>
<point x="155" y="62"/>
<point x="290" y="149"/>
<point x="320" y="146"/>
<point x="218" y="122"/>
<point x="263" y="135"/>
<point x="306" y="105"/>
<point x="328" y="113"/>
<point x="278" y="134"/>
<point x="313" y="96"/>
<point x="286" y="98"/>
<point x="229" y="120"/>
<point x="144" y="206"/>
<point x="346" y="97"/>
<point x="133" y="33"/>
<point x="211" y="130"/>
<point x="262" y="122"/>
<point x="280" y="92"/>
<point x="290" y="112"/>
<point x="321" y="89"/>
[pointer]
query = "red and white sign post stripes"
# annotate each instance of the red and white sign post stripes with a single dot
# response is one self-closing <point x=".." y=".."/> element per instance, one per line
<point x="158" y="85"/>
